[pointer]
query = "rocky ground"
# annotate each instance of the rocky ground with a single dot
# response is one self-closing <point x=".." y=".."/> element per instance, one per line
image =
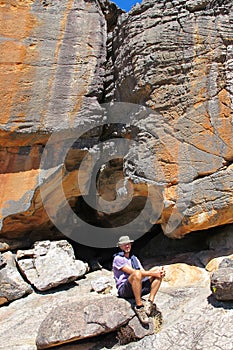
<point x="86" y="314"/>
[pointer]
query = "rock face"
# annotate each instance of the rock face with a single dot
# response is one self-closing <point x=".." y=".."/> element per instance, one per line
<point x="50" y="264"/>
<point x="174" y="59"/>
<point x="52" y="56"/>
<point x="12" y="285"/>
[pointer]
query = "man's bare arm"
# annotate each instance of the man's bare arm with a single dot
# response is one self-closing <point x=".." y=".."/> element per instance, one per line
<point x="150" y="273"/>
<point x="127" y="269"/>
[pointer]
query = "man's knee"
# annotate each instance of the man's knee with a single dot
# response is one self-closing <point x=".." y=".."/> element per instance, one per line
<point x="136" y="276"/>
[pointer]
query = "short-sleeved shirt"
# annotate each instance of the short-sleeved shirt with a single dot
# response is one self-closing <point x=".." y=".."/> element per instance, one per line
<point x="119" y="275"/>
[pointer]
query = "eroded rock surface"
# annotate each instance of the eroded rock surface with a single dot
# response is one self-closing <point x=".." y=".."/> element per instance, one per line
<point x="52" y="56"/>
<point x="206" y="335"/>
<point x="176" y="57"/>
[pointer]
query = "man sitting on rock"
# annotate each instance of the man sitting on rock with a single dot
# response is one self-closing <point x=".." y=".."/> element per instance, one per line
<point x="132" y="281"/>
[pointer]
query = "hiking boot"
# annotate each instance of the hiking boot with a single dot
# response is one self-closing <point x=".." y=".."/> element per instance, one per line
<point x="141" y="315"/>
<point x="149" y="307"/>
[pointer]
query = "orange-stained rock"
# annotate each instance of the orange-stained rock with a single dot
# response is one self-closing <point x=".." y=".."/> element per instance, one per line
<point x="164" y="61"/>
<point x="183" y="275"/>
<point x="51" y="68"/>
<point x="57" y="62"/>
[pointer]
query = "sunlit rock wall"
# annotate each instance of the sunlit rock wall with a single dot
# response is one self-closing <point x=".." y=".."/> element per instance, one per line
<point x="176" y="57"/>
<point x="51" y="78"/>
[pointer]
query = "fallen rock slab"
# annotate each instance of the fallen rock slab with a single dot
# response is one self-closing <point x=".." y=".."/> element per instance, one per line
<point x="83" y="319"/>
<point x="12" y="285"/>
<point x="50" y="264"/>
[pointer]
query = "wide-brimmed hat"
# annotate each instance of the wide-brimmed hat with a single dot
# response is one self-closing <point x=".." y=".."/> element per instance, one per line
<point x="124" y="240"/>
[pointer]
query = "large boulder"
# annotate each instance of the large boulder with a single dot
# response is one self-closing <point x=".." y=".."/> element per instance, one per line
<point x="181" y="274"/>
<point x="50" y="264"/>
<point x="83" y="319"/>
<point x="12" y="285"/>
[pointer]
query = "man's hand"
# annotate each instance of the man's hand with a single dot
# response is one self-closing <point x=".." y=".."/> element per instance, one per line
<point x="162" y="272"/>
<point x="157" y="272"/>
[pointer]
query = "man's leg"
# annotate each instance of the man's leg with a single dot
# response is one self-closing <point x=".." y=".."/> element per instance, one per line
<point x="135" y="279"/>
<point x="155" y="284"/>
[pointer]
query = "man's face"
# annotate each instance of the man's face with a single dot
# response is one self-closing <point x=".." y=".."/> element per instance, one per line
<point x="126" y="247"/>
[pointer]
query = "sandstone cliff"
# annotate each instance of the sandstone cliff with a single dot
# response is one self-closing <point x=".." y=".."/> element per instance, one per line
<point x="176" y="58"/>
<point x="168" y="65"/>
<point x="52" y="66"/>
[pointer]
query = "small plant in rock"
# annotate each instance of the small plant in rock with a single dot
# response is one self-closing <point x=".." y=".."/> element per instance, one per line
<point x="158" y="321"/>
<point x="126" y="335"/>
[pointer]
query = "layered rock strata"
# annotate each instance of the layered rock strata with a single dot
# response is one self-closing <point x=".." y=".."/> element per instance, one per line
<point x="173" y="59"/>
<point x="51" y="66"/>
<point x="176" y="58"/>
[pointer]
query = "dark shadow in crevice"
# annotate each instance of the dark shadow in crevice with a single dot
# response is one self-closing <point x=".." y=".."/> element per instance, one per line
<point x="226" y="305"/>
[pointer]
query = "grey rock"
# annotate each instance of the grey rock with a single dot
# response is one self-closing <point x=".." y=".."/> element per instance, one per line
<point x="84" y="319"/>
<point x="21" y="319"/>
<point x="192" y="318"/>
<point x="3" y="261"/>
<point x="195" y="5"/>
<point x="227" y="262"/>
<point x="194" y="322"/>
<point x="222" y="238"/>
<point x="50" y="264"/>
<point x="222" y="283"/>
<point x="139" y="330"/>
<point x="12" y="285"/>
<point x="101" y="284"/>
